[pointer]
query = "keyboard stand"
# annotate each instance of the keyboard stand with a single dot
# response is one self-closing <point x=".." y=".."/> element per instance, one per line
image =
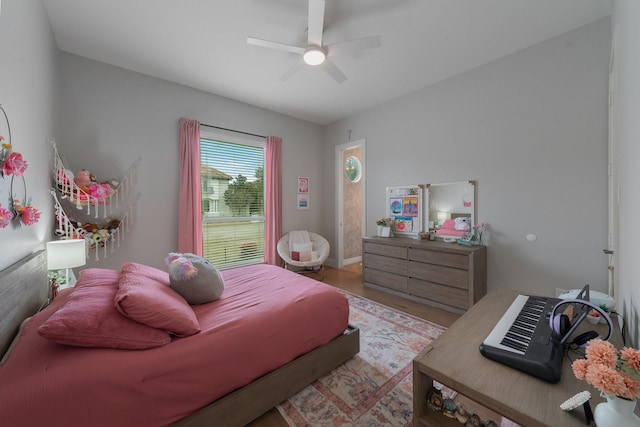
<point x="454" y="360"/>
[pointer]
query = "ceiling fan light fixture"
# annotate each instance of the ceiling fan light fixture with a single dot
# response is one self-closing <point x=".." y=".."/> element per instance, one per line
<point x="314" y="56"/>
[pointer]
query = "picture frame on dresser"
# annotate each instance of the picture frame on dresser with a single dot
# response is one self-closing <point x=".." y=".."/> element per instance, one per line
<point x="405" y="205"/>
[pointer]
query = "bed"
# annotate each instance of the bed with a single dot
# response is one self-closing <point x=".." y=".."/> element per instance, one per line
<point x="72" y="384"/>
<point x="452" y="228"/>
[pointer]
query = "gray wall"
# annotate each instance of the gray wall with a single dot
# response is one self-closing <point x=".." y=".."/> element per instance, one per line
<point x="29" y="94"/>
<point x="112" y="117"/>
<point x="531" y="128"/>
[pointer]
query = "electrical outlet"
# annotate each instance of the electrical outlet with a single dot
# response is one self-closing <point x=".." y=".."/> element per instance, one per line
<point x="560" y="291"/>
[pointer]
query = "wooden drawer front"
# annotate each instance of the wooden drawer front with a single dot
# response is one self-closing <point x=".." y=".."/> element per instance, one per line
<point x="388" y="280"/>
<point x="391" y="265"/>
<point x="440" y="258"/>
<point x="440" y="293"/>
<point x="386" y="250"/>
<point x="438" y="274"/>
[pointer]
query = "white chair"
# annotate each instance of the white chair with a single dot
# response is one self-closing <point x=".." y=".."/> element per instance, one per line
<point x="312" y="262"/>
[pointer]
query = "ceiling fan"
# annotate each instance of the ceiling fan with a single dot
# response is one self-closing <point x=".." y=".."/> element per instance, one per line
<point x="315" y="53"/>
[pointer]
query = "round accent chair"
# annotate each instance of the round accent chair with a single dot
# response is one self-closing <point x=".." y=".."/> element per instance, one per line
<point x="304" y="252"/>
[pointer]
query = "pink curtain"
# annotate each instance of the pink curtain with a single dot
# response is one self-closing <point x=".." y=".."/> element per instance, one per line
<point x="190" y="199"/>
<point x="273" y="200"/>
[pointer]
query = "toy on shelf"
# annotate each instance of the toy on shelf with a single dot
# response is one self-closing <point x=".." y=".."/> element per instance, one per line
<point x="82" y="192"/>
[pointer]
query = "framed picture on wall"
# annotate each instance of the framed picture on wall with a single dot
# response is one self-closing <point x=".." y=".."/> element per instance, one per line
<point x="303" y="184"/>
<point x="302" y="202"/>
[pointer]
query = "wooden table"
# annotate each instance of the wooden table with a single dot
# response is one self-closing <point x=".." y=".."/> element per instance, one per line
<point x="455" y="361"/>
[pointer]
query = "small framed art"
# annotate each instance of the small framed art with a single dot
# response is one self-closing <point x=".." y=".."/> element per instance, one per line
<point x="302" y="202"/>
<point x="303" y="184"/>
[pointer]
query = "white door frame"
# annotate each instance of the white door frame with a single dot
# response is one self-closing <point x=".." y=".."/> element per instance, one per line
<point x="340" y="149"/>
<point x="613" y="188"/>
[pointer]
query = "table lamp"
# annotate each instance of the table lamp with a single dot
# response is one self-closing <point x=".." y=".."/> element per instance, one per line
<point x="65" y="254"/>
<point x="443" y="216"/>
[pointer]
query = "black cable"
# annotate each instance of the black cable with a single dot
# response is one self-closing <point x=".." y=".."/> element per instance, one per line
<point x="624" y="326"/>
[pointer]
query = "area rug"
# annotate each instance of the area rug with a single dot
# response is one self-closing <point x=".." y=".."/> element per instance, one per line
<point x="375" y="387"/>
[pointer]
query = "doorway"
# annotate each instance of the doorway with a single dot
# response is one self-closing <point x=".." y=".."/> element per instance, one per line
<point x="350" y="181"/>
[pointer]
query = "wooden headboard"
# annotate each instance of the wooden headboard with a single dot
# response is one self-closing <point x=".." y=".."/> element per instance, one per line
<point x="460" y="215"/>
<point x="23" y="290"/>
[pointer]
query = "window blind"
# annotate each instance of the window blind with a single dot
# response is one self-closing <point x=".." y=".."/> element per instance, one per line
<point x="232" y="173"/>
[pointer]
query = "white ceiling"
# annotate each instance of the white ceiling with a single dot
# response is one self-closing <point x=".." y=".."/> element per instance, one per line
<point x="202" y="44"/>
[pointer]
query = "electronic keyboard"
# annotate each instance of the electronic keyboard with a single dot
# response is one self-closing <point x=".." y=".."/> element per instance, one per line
<point x="523" y="340"/>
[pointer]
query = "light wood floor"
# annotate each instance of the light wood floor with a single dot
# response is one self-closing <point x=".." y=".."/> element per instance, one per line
<point x="350" y="280"/>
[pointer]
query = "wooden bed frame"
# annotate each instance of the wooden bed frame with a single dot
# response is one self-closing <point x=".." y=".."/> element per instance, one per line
<point x="24" y="290"/>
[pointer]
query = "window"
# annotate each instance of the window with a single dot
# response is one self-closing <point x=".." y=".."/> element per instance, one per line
<point x="232" y="173"/>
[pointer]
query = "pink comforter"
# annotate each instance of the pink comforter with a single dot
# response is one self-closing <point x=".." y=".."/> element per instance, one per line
<point x="266" y="317"/>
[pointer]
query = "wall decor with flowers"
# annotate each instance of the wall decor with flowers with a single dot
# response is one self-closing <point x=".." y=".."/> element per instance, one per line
<point x="98" y="211"/>
<point x="12" y="167"/>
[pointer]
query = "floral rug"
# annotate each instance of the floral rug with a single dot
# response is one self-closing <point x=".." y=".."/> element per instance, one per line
<point x="375" y="387"/>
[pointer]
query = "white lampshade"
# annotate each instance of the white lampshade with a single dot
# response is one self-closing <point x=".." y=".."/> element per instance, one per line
<point x="66" y="254"/>
<point x="443" y="215"/>
<point x="314" y="56"/>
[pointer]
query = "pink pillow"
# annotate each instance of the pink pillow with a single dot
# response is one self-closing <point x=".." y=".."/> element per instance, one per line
<point x="88" y="319"/>
<point x="449" y="224"/>
<point x="301" y="256"/>
<point x="144" y="295"/>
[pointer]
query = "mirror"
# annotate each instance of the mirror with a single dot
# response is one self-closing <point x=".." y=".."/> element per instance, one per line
<point x="450" y="201"/>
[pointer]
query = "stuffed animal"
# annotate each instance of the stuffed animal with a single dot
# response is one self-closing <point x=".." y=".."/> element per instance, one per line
<point x="100" y="191"/>
<point x="462" y="224"/>
<point x="90" y="227"/>
<point x="112" y="224"/>
<point x="194" y="278"/>
<point x="82" y="179"/>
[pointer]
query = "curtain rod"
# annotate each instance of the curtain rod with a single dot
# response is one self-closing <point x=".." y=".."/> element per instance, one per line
<point x="232" y="130"/>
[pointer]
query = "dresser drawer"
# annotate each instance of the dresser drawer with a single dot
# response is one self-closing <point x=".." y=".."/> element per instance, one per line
<point x="386" y="250"/>
<point x="383" y="278"/>
<point x="391" y="265"/>
<point x="454" y="297"/>
<point x="443" y="275"/>
<point x="440" y="258"/>
<point x="439" y="274"/>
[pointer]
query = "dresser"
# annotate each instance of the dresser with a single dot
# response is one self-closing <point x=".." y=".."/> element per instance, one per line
<point x="446" y="275"/>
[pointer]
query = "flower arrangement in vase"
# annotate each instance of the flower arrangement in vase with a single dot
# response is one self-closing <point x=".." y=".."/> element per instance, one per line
<point x="384" y="226"/>
<point x="616" y="374"/>
<point x="478" y="229"/>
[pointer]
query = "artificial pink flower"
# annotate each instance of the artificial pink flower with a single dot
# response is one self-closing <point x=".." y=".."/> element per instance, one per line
<point x="29" y="215"/>
<point x="606" y="379"/>
<point x="580" y="367"/>
<point x="633" y="387"/>
<point x="610" y="371"/>
<point x="631" y="356"/>
<point x="602" y="353"/>
<point x="5" y="217"/>
<point x="14" y="164"/>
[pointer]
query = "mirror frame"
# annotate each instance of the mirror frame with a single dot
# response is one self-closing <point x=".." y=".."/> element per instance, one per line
<point x="464" y="198"/>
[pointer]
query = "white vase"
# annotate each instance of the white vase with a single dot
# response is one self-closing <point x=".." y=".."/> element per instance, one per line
<point x="616" y="412"/>
<point x="380" y="227"/>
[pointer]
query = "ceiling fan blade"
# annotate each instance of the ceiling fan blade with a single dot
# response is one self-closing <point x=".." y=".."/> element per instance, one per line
<point x="353" y="45"/>
<point x="333" y="71"/>
<point x="291" y="71"/>
<point x="276" y="45"/>
<point x="316" y="22"/>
